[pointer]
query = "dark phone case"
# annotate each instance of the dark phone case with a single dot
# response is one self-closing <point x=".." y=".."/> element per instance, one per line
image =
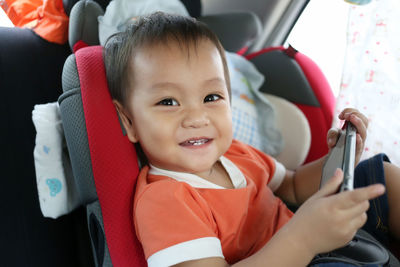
<point x="342" y="156"/>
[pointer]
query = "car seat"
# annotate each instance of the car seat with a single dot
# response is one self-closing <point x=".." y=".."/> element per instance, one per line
<point x="106" y="186"/>
<point x="104" y="162"/>
<point x="83" y="25"/>
<point x="295" y="77"/>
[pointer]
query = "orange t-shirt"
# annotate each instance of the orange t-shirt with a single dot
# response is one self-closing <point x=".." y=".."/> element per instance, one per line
<point x="176" y="222"/>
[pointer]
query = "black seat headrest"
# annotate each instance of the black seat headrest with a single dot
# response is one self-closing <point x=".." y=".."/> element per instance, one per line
<point x="68" y="4"/>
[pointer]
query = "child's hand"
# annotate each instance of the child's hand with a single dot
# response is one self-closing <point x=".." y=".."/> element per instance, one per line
<point x="327" y="221"/>
<point x="360" y="122"/>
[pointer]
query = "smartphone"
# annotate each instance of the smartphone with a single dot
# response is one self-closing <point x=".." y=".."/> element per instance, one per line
<point x="342" y="156"/>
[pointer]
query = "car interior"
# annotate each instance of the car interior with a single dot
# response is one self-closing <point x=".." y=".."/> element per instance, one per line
<point x="96" y="229"/>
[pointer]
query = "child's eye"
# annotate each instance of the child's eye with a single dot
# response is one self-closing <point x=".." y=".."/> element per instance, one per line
<point x="168" y="102"/>
<point x="212" y="97"/>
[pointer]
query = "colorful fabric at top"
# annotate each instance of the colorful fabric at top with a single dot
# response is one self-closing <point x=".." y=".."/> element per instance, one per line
<point x="45" y="17"/>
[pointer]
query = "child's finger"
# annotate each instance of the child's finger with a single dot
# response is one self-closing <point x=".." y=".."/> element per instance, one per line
<point x="359" y="208"/>
<point x="359" y="220"/>
<point x="357" y="215"/>
<point x="357" y="119"/>
<point x="342" y="115"/>
<point x="347" y="112"/>
<point x="332" y="186"/>
<point x="350" y="198"/>
<point x="332" y="137"/>
<point x="360" y="125"/>
<point x="359" y="147"/>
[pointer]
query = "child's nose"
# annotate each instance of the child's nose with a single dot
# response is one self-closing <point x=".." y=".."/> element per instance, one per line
<point x="195" y="118"/>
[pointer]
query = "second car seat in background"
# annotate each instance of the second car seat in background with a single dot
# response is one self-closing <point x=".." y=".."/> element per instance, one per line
<point x="295" y="77"/>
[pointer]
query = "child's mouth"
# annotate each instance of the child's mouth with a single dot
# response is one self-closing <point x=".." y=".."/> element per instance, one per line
<point x="195" y="142"/>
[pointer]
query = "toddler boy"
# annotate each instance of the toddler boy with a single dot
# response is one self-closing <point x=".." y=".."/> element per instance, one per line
<point x="205" y="199"/>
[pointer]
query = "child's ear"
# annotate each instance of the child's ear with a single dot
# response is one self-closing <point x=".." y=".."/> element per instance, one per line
<point x="127" y="122"/>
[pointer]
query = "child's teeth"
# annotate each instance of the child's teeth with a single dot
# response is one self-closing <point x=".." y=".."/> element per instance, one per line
<point x="197" y="142"/>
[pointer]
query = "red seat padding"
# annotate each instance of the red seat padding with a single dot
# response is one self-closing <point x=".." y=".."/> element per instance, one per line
<point x="320" y="119"/>
<point x="114" y="160"/>
<point x="319" y="116"/>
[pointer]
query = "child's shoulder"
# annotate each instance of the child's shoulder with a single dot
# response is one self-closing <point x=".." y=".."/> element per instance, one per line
<point x="160" y="194"/>
<point x="246" y="156"/>
<point x="158" y="187"/>
<point x="239" y="148"/>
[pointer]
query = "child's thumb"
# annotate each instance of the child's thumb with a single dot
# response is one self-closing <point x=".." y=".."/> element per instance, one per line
<point x="332" y="186"/>
<point x="332" y="137"/>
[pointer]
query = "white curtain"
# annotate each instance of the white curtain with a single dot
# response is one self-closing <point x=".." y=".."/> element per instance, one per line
<point x="371" y="75"/>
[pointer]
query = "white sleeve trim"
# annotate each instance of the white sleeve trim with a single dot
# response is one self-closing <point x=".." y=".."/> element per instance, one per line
<point x="200" y="248"/>
<point x="278" y="176"/>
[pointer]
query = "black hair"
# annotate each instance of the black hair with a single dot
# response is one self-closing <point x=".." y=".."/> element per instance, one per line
<point x="156" y="28"/>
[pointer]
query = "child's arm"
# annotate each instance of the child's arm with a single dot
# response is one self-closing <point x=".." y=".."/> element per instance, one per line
<point x="299" y="185"/>
<point x="324" y="222"/>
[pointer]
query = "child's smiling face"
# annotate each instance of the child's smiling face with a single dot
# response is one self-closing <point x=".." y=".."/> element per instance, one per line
<point x="178" y="106"/>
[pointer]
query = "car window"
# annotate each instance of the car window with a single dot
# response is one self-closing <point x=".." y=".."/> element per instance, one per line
<point x="320" y="33"/>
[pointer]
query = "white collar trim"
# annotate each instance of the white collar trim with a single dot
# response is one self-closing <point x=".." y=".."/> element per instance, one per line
<point x="236" y="176"/>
